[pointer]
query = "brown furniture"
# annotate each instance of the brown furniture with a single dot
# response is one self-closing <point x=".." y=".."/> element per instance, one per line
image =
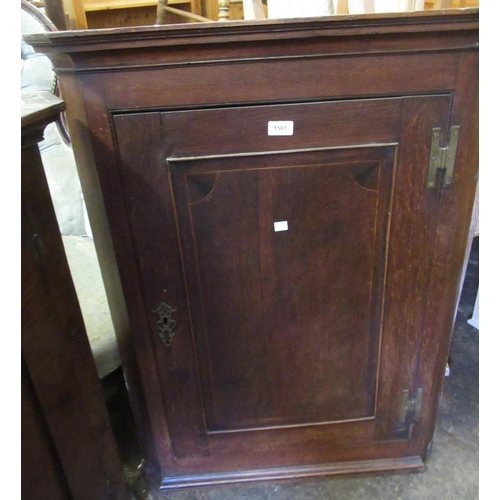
<point x="84" y="14"/>
<point x="287" y="209"/>
<point x="166" y="7"/>
<point x="68" y="448"/>
<point x="450" y="4"/>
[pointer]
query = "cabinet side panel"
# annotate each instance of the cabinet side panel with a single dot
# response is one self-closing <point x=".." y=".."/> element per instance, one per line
<point x="411" y="237"/>
<point x="56" y="350"/>
<point x="450" y="246"/>
<point x="97" y="163"/>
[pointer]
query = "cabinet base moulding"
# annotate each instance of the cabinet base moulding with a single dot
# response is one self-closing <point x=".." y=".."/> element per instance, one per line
<point x="403" y="465"/>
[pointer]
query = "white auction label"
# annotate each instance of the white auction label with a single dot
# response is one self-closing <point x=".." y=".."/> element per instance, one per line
<point x="279" y="128"/>
<point x="281" y="225"/>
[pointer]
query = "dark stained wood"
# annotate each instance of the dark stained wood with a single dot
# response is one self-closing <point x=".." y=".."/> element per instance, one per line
<point x="47" y="482"/>
<point x="463" y="22"/>
<point x="322" y="124"/>
<point x="149" y="208"/>
<point x="281" y="285"/>
<point x="450" y="244"/>
<point x="55" y="12"/>
<point x="410" y="243"/>
<point x="210" y="84"/>
<point x="37" y="111"/>
<point x="360" y="467"/>
<point x="145" y="398"/>
<point x="291" y="350"/>
<point x="66" y="417"/>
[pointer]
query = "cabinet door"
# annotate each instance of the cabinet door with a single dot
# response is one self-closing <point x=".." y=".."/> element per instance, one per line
<point x="284" y="258"/>
<point x="284" y="276"/>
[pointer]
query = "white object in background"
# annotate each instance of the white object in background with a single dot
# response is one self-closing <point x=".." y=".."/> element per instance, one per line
<point x="253" y="9"/>
<point x="370" y="6"/>
<point x="361" y="6"/>
<point x="278" y="9"/>
<point x="398" y="5"/>
<point x="474" y="321"/>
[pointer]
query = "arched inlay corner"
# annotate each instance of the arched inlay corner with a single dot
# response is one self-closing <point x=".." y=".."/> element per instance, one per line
<point x="200" y="186"/>
<point x="366" y="175"/>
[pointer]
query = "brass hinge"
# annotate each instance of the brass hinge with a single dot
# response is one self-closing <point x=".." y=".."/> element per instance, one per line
<point x="442" y="158"/>
<point x="411" y="407"/>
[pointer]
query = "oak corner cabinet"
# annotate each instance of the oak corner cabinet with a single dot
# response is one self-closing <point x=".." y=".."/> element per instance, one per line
<point x="281" y="212"/>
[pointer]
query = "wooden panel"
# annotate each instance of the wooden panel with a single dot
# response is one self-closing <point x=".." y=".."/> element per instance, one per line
<point x="76" y="14"/>
<point x="54" y="343"/>
<point x="282" y="287"/>
<point x="46" y="482"/>
<point x="109" y="220"/>
<point x="332" y="214"/>
<point x="400" y="465"/>
<point x="96" y="14"/>
<point x="199" y="85"/>
<point x="322" y="124"/>
<point x="450" y="4"/>
<point x="92" y="5"/>
<point x="450" y="243"/>
<point x="116" y="18"/>
<point x="413" y="225"/>
<point x="233" y="306"/>
<point x="246" y="327"/>
<point x="160" y="279"/>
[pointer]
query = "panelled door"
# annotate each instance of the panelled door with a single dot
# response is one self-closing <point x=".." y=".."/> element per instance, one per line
<point x="284" y="254"/>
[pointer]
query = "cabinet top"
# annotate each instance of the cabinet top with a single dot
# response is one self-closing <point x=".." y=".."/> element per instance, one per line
<point x="233" y="32"/>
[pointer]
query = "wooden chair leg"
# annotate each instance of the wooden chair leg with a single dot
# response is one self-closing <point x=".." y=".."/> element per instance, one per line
<point x="224" y="10"/>
<point x="160" y="12"/>
<point x="163" y="8"/>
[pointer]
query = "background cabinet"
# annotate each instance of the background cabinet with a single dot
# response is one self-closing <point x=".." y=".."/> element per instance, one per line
<point x="95" y="14"/>
<point x="68" y="447"/>
<point x="290" y="297"/>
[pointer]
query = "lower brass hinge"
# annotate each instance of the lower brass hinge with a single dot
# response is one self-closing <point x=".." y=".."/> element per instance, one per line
<point x="442" y="158"/>
<point x="411" y="407"/>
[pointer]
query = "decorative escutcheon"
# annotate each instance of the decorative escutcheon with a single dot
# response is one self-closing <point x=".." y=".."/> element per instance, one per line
<point x="166" y="324"/>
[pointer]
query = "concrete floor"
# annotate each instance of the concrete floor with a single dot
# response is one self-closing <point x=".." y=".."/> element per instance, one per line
<point x="87" y="278"/>
<point x="452" y="469"/>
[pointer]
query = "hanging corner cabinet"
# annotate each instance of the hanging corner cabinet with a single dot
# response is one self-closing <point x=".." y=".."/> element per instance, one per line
<point x="281" y="212"/>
